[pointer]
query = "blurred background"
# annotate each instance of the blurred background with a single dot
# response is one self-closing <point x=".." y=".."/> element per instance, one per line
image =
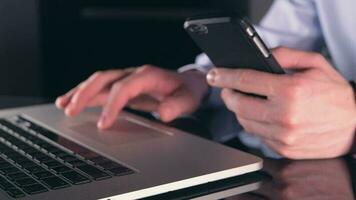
<point x="49" y="46"/>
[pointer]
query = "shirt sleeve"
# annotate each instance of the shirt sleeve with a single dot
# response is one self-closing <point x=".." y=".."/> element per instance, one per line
<point x="293" y="24"/>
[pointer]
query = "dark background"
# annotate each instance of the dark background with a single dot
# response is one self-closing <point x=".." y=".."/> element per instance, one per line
<point x="49" y="46"/>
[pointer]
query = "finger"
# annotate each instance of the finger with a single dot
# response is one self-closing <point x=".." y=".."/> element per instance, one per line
<point x="88" y="89"/>
<point x="262" y="130"/>
<point x="177" y="104"/>
<point x="144" y="103"/>
<point x="247" y="107"/>
<point x="99" y="100"/>
<point x="143" y="81"/>
<point x="63" y="101"/>
<point x="248" y="81"/>
<point x="295" y="59"/>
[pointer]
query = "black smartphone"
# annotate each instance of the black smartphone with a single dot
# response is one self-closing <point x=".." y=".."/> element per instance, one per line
<point x="231" y="41"/>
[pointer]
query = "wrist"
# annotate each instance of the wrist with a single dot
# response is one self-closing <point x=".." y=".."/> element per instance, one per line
<point x="353" y="149"/>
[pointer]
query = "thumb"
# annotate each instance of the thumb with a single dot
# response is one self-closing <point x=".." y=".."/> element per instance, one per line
<point x="299" y="60"/>
<point x="179" y="103"/>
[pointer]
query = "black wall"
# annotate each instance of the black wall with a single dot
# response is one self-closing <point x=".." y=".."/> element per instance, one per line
<point x="58" y="43"/>
<point x="20" y="58"/>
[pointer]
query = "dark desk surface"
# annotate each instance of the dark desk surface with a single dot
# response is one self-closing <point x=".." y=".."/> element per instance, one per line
<point x="332" y="179"/>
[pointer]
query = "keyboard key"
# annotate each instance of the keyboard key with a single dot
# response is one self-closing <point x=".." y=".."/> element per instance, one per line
<point x="99" y="159"/>
<point x="44" y="159"/>
<point x="18" y="159"/>
<point x="23" y="146"/>
<point x="25" y="181"/>
<point x="52" y="164"/>
<point x="15" y="193"/>
<point x="45" y="145"/>
<point x="2" y="161"/>
<point x="39" y="155"/>
<point x="77" y="163"/>
<point x="75" y="178"/>
<point x="35" y="169"/>
<point x="5" y="165"/>
<point x="30" y="151"/>
<point x="109" y="165"/>
<point x="42" y="175"/>
<point x="9" y="170"/>
<point x="119" y="171"/>
<point x="87" y="154"/>
<point x="53" y="149"/>
<point x="16" y="176"/>
<point x="68" y="158"/>
<point x="93" y="172"/>
<point x="34" y="189"/>
<point x="54" y="182"/>
<point x="4" y="184"/>
<point x="14" y="128"/>
<point x="60" y="153"/>
<point x="61" y="169"/>
<point x="3" y="134"/>
<point x="27" y="164"/>
<point x="34" y="153"/>
<point x="12" y="155"/>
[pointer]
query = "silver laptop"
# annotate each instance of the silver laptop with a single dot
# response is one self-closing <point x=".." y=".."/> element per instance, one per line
<point x="46" y="155"/>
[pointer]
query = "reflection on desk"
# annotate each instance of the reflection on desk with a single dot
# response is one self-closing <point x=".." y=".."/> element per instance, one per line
<point x="314" y="180"/>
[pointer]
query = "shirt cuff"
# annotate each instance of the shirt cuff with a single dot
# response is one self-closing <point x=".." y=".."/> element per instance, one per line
<point x="194" y="67"/>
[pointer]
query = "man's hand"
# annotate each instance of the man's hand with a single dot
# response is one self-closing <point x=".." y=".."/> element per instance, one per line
<point x="145" y="88"/>
<point x="308" y="114"/>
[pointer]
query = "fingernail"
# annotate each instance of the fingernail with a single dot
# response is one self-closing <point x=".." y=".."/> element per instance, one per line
<point x="101" y="122"/>
<point x="211" y="76"/>
<point x="67" y="111"/>
<point x="58" y="102"/>
<point x="74" y="100"/>
<point x="166" y="115"/>
<point x="70" y="109"/>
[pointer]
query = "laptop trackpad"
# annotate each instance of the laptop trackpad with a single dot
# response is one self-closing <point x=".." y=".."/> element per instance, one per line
<point x="123" y="132"/>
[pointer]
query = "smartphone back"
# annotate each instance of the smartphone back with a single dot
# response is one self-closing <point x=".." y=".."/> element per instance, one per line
<point x="231" y="42"/>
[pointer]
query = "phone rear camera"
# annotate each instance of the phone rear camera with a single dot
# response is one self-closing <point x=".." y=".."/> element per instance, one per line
<point x="198" y="29"/>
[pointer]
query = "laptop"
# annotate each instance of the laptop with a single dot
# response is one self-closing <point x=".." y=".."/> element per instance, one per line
<point x="46" y="155"/>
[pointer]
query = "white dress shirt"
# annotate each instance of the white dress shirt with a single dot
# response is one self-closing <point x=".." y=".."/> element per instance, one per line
<point x="310" y="25"/>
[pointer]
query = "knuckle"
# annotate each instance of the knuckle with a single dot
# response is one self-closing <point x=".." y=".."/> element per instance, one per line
<point x="289" y="121"/>
<point x="97" y="74"/>
<point x="118" y="85"/>
<point x="280" y="50"/>
<point x="226" y="97"/>
<point x="243" y="77"/>
<point x="284" y="151"/>
<point x="288" y="139"/>
<point x="295" y="90"/>
<point x="146" y="68"/>
<point x="317" y="57"/>
<point x="82" y="86"/>
<point x="239" y="109"/>
<point x="246" y="126"/>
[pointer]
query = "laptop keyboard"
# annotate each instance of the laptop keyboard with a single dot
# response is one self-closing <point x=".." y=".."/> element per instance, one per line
<point x="35" y="160"/>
